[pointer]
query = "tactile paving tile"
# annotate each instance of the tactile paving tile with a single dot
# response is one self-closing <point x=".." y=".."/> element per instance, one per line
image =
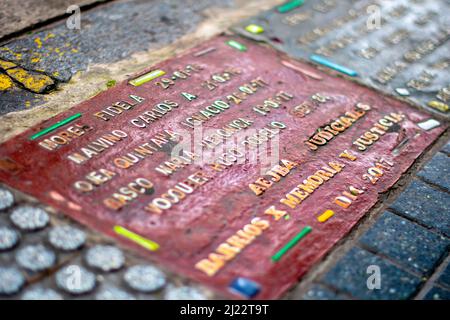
<point x="400" y="47"/>
<point x="62" y="260"/>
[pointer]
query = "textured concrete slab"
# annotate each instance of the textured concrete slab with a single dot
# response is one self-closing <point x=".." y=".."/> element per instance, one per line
<point x="273" y="92"/>
<point x="400" y="47"/>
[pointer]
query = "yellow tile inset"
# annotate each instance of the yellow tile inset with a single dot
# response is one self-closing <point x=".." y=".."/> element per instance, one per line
<point x="325" y="216"/>
<point x="254" y="28"/>
<point x="439" y="105"/>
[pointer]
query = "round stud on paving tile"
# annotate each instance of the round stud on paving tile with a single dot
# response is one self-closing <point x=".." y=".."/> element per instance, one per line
<point x="41" y="294"/>
<point x="105" y="258"/>
<point x="66" y="238"/>
<point x="183" y="293"/>
<point x="74" y="279"/>
<point x="35" y="258"/>
<point x="29" y="218"/>
<point x="8" y="238"/>
<point x="145" y="278"/>
<point x="11" y="280"/>
<point x="6" y="199"/>
<point x="114" y="294"/>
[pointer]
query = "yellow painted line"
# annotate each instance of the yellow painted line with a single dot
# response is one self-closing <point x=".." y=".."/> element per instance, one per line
<point x="6" y="64"/>
<point x="5" y="82"/>
<point x="37" y="83"/>
<point x="147" y="77"/>
<point x="140" y="240"/>
<point x="325" y="216"/>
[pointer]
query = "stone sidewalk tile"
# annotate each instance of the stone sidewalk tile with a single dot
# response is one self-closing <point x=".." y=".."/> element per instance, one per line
<point x="437" y="293"/>
<point x="21" y="14"/>
<point x="350" y="276"/>
<point x="121" y="27"/>
<point x="107" y="35"/>
<point x="446" y="148"/>
<point x="405" y="242"/>
<point x="444" y="278"/>
<point x="425" y="204"/>
<point x="437" y="171"/>
<point x="320" y="292"/>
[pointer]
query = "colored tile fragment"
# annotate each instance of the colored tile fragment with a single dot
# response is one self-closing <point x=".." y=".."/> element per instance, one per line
<point x="291" y="5"/>
<point x="147" y="77"/>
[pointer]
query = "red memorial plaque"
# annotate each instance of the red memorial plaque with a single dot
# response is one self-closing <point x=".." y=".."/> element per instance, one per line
<point x="231" y="164"/>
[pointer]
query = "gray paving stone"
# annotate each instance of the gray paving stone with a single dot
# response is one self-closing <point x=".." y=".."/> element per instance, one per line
<point x="437" y="171"/>
<point x="121" y="27"/>
<point x="444" y="278"/>
<point x="446" y="148"/>
<point x="350" y="276"/>
<point x="319" y="292"/>
<point x="20" y="14"/>
<point x="437" y="293"/>
<point x="422" y="202"/>
<point x="405" y="242"/>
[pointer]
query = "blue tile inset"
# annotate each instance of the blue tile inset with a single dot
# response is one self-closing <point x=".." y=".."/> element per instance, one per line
<point x="245" y="287"/>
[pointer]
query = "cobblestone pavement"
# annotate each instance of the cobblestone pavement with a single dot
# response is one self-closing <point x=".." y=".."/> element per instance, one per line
<point x="43" y="254"/>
